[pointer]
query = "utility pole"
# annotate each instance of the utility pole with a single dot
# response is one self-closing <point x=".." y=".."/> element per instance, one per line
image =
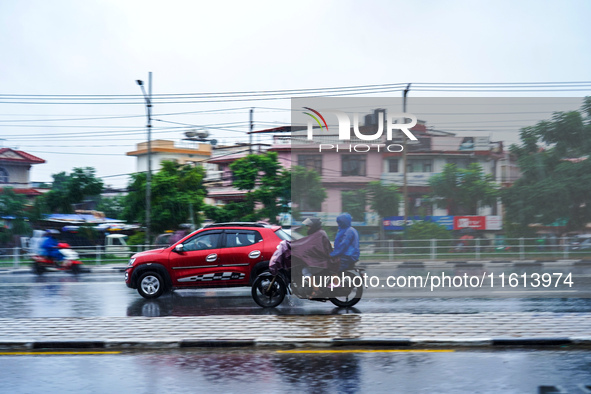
<point x="148" y="98"/>
<point x="250" y="134"/>
<point x="404" y="159"/>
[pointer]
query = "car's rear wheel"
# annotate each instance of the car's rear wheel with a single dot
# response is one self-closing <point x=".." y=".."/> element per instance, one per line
<point x="150" y="285"/>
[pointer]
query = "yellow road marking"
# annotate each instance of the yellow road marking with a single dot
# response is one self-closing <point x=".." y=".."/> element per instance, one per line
<point x="54" y="353"/>
<point x="371" y="351"/>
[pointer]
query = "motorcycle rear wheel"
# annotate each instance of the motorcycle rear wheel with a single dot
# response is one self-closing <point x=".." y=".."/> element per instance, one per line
<point x="38" y="269"/>
<point x="268" y="291"/>
<point x="352" y="298"/>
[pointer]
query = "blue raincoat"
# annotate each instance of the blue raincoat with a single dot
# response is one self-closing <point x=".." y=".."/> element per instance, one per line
<point x="50" y="249"/>
<point x="346" y="243"/>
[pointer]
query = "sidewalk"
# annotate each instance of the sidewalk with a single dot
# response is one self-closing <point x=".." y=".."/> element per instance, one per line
<point x="114" y="268"/>
<point x="377" y="329"/>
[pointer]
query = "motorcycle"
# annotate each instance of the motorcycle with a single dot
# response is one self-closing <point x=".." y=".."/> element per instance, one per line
<point x="70" y="262"/>
<point x="269" y="290"/>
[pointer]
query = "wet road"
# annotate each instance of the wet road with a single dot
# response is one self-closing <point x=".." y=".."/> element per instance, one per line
<point x="65" y="295"/>
<point x="247" y="370"/>
<point x="272" y="371"/>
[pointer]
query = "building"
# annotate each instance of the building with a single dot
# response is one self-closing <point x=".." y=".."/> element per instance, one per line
<point x="345" y="170"/>
<point x="346" y="167"/>
<point x="429" y="155"/>
<point x="219" y="176"/>
<point x="184" y="152"/>
<point x="15" y="166"/>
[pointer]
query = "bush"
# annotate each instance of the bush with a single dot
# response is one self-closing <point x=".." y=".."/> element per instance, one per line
<point x="428" y="230"/>
<point x="138" y="238"/>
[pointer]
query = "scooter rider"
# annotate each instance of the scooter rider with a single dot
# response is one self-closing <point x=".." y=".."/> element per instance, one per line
<point x="49" y="246"/>
<point x="346" y="243"/>
<point x="313" y="250"/>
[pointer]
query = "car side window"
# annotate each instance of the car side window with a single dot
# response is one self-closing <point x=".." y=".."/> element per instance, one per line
<point x="202" y="241"/>
<point x="238" y="238"/>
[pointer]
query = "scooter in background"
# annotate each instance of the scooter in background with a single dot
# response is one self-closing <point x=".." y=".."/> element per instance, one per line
<point x="70" y="262"/>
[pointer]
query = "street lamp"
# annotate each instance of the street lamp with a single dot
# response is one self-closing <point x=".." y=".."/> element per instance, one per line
<point x="148" y="98"/>
<point x="404" y="163"/>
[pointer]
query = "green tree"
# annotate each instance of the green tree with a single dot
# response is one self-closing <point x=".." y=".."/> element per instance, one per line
<point x="306" y="189"/>
<point x="233" y="211"/>
<point x="267" y="186"/>
<point x="112" y="207"/>
<point x="384" y="200"/>
<point x="177" y="196"/>
<point x="14" y="206"/>
<point x="68" y="189"/>
<point x="354" y="202"/>
<point x="556" y="173"/>
<point x="462" y="191"/>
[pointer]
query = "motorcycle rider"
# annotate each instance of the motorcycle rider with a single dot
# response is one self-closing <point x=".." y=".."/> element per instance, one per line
<point x="49" y="247"/>
<point x="313" y="252"/>
<point x="346" y="243"/>
<point x="314" y="249"/>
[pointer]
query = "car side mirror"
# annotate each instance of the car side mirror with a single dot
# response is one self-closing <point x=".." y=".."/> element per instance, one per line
<point x="179" y="248"/>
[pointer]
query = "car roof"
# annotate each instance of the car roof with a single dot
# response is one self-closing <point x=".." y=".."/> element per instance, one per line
<point x="241" y="224"/>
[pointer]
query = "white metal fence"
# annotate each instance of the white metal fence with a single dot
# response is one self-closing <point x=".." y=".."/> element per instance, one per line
<point x="386" y="250"/>
<point x="91" y="255"/>
<point x="473" y="249"/>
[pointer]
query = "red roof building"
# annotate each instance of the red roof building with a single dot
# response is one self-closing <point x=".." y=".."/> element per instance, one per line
<point x="14" y="171"/>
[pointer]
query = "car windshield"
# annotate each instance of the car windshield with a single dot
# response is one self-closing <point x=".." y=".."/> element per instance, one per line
<point x="283" y="235"/>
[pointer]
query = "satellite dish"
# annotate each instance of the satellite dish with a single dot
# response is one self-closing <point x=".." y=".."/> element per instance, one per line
<point x="202" y="134"/>
<point x="191" y="133"/>
<point x="213" y="142"/>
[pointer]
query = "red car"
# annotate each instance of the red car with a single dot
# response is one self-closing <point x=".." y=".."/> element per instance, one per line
<point x="218" y="255"/>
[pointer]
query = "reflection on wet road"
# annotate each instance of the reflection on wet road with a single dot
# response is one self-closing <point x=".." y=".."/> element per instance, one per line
<point x="63" y="295"/>
<point x="235" y="370"/>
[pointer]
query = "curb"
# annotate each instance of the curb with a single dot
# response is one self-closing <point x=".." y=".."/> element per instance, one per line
<point x="405" y="343"/>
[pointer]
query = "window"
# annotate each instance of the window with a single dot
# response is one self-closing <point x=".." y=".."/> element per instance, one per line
<point x="353" y="202"/>
<point x="3" y="175"/>
<point x="237" y="238"/>
<point x="419" y="165"/>
<point x="393" y="165"/>
<point x="460" y="162"/>
<point x="311" y="162"/>
<point x="353" y="165"/>
<point x="202" y="241"/>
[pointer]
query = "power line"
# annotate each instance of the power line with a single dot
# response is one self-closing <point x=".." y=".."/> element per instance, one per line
<point x="188" y="98"/>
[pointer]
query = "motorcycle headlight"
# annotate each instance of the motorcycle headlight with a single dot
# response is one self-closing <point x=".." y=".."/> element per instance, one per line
<point x="130" y="262"/>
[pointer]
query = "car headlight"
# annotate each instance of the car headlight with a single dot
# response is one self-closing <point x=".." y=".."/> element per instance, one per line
<point x="130" y="262"/>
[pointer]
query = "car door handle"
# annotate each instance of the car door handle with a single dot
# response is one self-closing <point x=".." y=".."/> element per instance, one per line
<point x="211" y="258"/>
<point x="255" y="254"/>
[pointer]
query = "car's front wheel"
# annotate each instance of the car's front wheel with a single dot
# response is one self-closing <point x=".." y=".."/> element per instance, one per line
<point x="150" y="285"/>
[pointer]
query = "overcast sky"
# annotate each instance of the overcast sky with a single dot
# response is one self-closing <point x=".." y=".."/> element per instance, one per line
<point x="101" y="48"/>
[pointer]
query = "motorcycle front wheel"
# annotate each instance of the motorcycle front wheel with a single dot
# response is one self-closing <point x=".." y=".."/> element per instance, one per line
<point x="268" y="291"/>
<point x="349" y="296"/>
